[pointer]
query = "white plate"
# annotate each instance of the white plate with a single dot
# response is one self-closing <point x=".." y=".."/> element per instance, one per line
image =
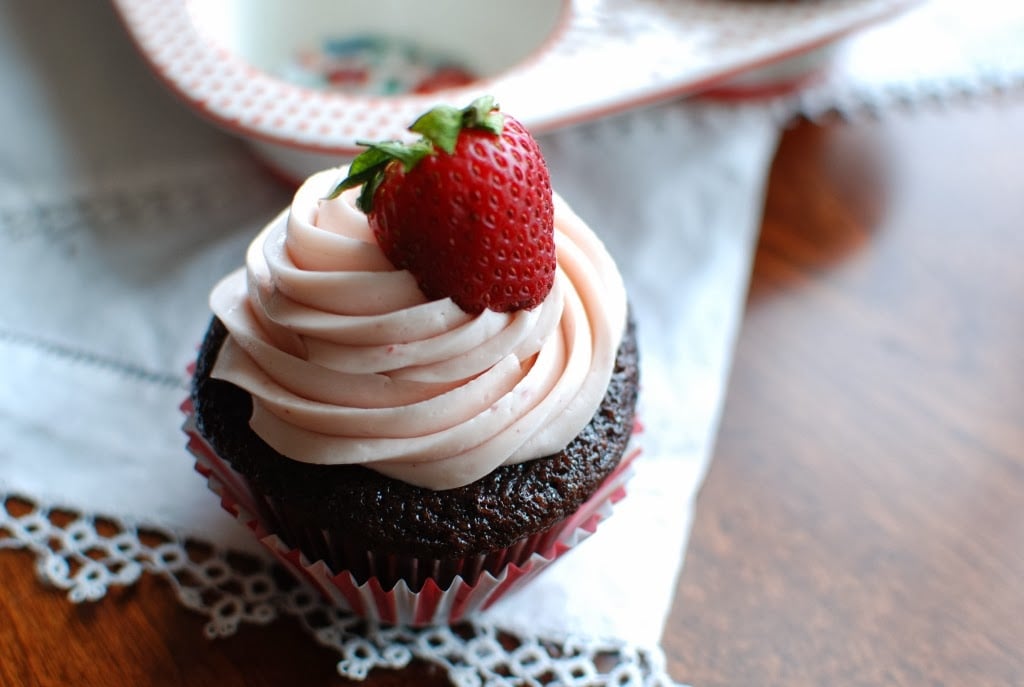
<point x="548" y="62"/>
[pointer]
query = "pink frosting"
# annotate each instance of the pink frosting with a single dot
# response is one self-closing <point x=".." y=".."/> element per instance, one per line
<point x="348" y="363"/>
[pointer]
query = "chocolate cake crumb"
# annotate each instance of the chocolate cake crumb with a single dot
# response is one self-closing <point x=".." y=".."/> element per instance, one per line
<point x="375" y="513"/>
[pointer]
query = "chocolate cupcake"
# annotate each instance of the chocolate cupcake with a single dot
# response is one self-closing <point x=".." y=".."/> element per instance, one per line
<point x="422" y="387"/>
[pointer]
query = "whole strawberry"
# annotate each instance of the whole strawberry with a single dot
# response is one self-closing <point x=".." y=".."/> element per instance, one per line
<point x="467" y="209"/>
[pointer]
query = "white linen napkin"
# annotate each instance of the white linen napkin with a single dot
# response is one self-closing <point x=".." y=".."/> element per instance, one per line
<point x="119" y="211"/>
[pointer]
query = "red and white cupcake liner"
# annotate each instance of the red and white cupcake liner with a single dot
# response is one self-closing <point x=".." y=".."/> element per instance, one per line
<point x="400" y="604"/>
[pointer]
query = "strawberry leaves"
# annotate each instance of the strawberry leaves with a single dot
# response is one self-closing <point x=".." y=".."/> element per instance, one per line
<point x="438" y="128"/>
<point x="367" y="169"/>
<point x="443" y="124"/>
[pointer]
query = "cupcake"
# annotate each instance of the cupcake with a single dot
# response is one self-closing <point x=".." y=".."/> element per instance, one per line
<point x="420" y="389"/>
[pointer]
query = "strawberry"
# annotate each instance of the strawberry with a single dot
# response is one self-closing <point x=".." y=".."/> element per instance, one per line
<point x="467" y="208"/>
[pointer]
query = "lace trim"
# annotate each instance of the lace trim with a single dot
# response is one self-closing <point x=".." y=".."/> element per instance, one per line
<point x="86" y="554"/>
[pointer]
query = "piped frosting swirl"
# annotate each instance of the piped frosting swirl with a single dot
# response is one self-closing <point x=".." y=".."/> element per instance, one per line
<point x="348" y="363"/>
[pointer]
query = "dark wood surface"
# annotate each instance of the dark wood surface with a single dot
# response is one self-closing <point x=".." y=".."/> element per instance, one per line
<point x="863" y="519"/>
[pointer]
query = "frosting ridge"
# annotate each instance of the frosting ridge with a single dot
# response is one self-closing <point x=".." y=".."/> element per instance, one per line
<point x="348" y="363"/>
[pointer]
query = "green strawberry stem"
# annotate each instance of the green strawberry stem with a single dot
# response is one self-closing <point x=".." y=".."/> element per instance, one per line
<point x="438" y="128"/>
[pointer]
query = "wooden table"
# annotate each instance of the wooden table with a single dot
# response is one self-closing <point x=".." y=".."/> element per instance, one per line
<point x="863" y="519"/>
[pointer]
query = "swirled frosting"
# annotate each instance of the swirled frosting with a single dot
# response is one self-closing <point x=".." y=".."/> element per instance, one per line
<point x="347" y="362"/>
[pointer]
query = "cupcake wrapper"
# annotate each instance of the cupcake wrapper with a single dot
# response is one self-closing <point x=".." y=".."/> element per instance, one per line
<point x="399" y="604"/>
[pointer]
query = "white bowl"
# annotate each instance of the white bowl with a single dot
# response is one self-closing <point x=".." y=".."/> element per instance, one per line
<point x="548" y="62"/>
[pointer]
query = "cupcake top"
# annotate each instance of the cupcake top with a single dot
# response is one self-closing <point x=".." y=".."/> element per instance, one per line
<point x="348" y="361"/>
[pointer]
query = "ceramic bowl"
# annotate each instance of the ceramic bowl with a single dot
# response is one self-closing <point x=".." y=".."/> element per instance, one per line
<point x="304" y="81"/>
